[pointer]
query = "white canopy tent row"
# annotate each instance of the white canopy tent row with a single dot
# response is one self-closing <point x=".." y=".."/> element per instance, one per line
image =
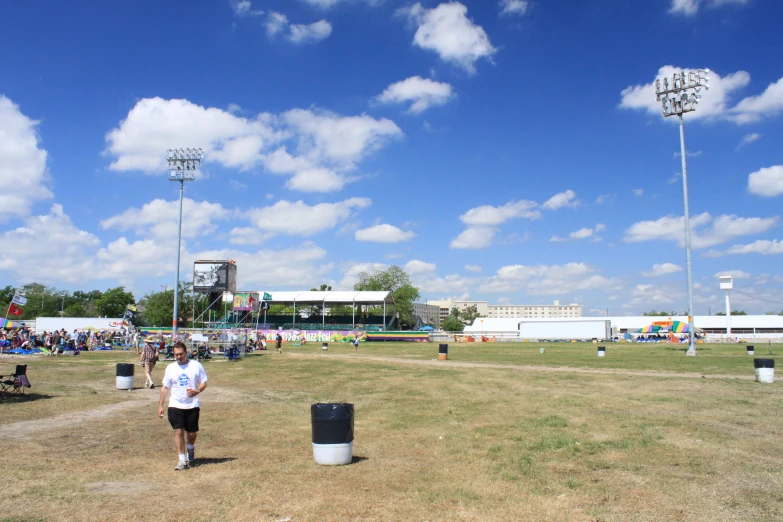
<point x="327" y="298"/>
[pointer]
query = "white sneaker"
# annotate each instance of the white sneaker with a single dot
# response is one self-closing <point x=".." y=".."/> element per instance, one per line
<point x="181" y="466"/>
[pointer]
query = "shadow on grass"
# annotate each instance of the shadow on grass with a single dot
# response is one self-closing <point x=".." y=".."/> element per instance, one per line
<point x="23" y="397"/>
<point x="207" y="461"/>
<point x="356" y="459"/>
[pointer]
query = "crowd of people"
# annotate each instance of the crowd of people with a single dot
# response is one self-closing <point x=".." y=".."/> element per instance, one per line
<point x="59" y="341"/>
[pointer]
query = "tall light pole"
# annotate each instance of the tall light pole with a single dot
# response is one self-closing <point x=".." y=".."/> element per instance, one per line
<point x="677" y="98"/>
<point x="183" y="164"/>
<point x="727" y="284"/>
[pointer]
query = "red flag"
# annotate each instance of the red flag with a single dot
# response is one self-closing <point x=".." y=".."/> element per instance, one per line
<point x="15" y="310"/>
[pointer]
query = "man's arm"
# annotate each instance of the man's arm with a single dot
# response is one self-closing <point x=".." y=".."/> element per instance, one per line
<point x="163" y="392"/>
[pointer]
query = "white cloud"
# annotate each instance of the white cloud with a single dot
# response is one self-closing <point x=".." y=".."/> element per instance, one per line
<point x="299" y="219"/>
<point x="706" y="231"/>
<point x="474" y="238"/>
<point x="748" y="139"/>
<point x="419" y="267"/>
<point x="383" y="234"/>
<point x="767" y="182"/>
<point x="23" y="175"/>
<point x="451" y="284"/>
<point x="423" y="92"/>
<point x="546" y="280"/>
<point x="638" y="192"/>
<point x="735" y="274"/>
<point x="473" y="268"/>
<point x="49" y="249"/>
<point x="487" y="215"/>
<point x="160" y="218"/>
<point x="604" y="198"/>
<point x="714" y="102"/>
<point x="762" y="246"/>
<point x="514" y="7"/>
<point x="295" y="267"/>
<point x="315" y="32"/>
<point x="248" y="236"/>
<point x="689" y="154"/>
<point x="277" y="23"/>
<point x="327" y="145"/>
<point x="563" y="199"/>
<point x="582" y="233"/>
<point x="662" y="270"/>
<point x="768" y="103"/>
<point x="691" y="7"/>
<point x="352" y="270"/>
<point x="244" y="8"/>
<point x="448" y="31"/>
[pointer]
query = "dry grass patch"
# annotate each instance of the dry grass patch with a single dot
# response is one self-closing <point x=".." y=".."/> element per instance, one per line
<point x="432" y="443"/>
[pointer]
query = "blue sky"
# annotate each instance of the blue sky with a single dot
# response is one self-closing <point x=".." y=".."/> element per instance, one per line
<point x="509" y="150"/>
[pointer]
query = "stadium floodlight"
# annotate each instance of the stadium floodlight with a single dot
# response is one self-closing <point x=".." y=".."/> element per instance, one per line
<point x="183" y="164"/>
<point x="677" y="98"/>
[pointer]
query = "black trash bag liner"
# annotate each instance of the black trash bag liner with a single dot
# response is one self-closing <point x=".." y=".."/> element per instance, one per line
<point x="124" y="370"/>
<point x="332" y="423"/>
<point x="443" y="348"/>
<point x="763" y="363"/>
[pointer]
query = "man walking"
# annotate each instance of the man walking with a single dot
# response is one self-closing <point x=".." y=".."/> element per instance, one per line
<point x="186" y="379"/>
<point x="149" y="357"/>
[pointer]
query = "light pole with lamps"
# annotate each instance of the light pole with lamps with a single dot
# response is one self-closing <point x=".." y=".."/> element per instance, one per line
<point x="677" y="98"/>
<point x="183" y="164"/>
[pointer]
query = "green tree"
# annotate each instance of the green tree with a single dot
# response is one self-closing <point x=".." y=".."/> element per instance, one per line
<point x="469" y="314"/>
<point x="113" y="302"/>
<point x="159" y="307"/>
<point x="396" y="281"/>
<point x="452" y="324"/>
<point x="75" y="310"/>
<point x="656" y="313"/>
<point x="733" y="312"/>
<point x="316" y="310"/>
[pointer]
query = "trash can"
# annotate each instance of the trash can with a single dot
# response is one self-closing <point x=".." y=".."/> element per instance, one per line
<point x="125" y="376"/>
<point x="332" y="433"/>
<point x="751" y="350"/>
<point x="765" y="370"/>
<point x="601" y="351"/>
<point x="541" y="350"/>
<point x="443" y="352"/>
<point x="325" y="346"/>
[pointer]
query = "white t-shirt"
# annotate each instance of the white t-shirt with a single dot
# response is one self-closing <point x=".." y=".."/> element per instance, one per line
<point x="180" y="378"/>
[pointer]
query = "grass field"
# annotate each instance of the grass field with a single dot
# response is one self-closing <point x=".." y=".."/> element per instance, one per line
<point x="498" y="432"/>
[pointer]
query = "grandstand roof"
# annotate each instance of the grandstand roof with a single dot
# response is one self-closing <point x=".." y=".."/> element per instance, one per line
<point x="327" y="298"/>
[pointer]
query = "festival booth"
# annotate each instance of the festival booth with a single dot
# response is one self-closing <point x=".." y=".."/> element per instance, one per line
<point x="665" y="332"/>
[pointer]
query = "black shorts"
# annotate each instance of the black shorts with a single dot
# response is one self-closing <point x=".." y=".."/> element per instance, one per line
<point x="184" y="419"/>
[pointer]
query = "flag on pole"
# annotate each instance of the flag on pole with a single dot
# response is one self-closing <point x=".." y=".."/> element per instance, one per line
<point x="131" y="307"/>
<point x="267" y="297"/>
<point x="19" y="300"/>
<point x="14" y="310"/>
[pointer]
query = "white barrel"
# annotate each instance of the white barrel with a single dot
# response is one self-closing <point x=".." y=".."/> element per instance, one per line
<point x="765" y="370"/>
<point x="325" y="346"/>
<point x="765" y="375"/>
<point x="125" y="383"/>
<point x="751" y="349"/>
<point x="333" y="454"/>
<point x="601" y="351"/>
<point x="541" y="350"/>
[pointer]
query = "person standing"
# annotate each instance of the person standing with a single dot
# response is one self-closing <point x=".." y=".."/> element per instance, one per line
<point x="356" y="343"/>
<point x="149" y="357"/>
<point x="279" y="342"/>
<point x="186" y="379"/>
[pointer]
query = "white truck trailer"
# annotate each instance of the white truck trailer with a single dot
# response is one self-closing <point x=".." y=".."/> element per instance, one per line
<point x="70" y="324"/>
<point x="565" y="330"/>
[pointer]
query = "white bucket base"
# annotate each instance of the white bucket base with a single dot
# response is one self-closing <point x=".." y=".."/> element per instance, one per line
<point x="765" y="375"/>
<point x="333" y="454"/>
<point x="751" y="352"/>
<point x="125" y="383"/>
<point x="601" y="354"/>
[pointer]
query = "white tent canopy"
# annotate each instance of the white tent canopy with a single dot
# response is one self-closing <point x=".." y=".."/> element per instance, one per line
<point x="327" y="298"/>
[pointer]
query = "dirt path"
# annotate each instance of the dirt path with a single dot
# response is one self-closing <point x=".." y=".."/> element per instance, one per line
<point x="551" y="369"/>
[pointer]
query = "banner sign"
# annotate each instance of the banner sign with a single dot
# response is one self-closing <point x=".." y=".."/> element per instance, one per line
<point x="244" y="301"/>
<point x="316" y="336"/>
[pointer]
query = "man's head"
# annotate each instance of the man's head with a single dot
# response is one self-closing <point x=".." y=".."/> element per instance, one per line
<point x="180" y="352"/>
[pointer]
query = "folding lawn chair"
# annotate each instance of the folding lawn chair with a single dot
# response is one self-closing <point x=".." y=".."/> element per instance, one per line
<point x="18" y="381"/>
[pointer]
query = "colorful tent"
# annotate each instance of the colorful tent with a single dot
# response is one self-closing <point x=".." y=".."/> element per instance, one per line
<point x="9" y="323"/>
<point x="650" y="329"/>
<point x="679" y="327"/>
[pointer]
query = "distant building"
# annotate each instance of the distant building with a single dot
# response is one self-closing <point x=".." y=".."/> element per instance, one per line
<point x="34" y="287"/>
<point x="446" y="305"/>
<point x="553" y="311"/>
<point x="429" y="314"/>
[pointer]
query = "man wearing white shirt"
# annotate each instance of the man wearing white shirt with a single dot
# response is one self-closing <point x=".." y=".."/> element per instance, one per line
<point x="186" y="379"/>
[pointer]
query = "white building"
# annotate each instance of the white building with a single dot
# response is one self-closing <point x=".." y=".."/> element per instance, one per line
<point x="553" y="311"/>
<point x="446" y="305"/>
